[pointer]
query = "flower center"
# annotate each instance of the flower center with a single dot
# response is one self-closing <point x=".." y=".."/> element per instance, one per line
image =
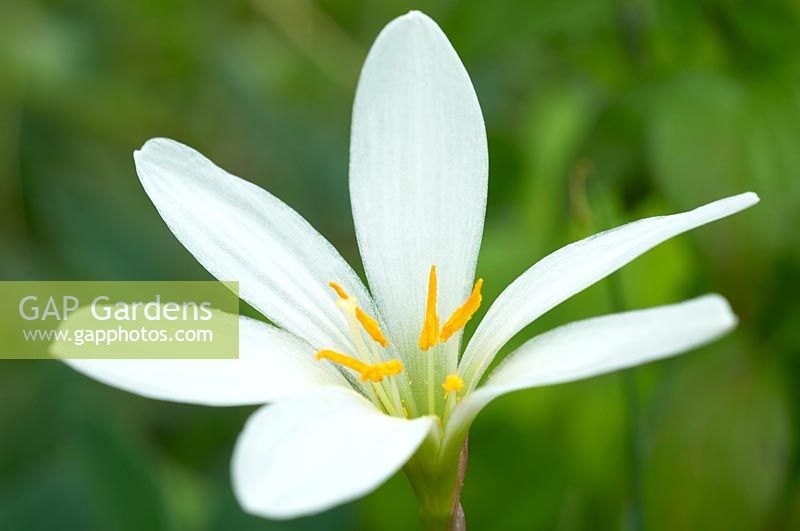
<point x="370" y="362"/>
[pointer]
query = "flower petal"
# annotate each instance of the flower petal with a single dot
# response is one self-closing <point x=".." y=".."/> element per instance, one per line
<point x="418" y="173"/>
<point x="239" y="231"/>
<point x="572" y="269"/>
<point x="307" y="454"/>
<point x="272" y="363"/>
<point x="596" y="346"/>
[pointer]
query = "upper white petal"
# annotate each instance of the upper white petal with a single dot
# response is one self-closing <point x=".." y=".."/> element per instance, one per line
<point x="239" y="231"/>
<point x="272" y="364"/>
<point x="418" y="173"/>
<point x="575" y="267"/>
<point x="595" y="346"/>
<point x="306" y="454"/>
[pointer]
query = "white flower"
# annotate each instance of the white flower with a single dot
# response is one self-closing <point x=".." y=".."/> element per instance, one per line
<point x="373" y="400"/>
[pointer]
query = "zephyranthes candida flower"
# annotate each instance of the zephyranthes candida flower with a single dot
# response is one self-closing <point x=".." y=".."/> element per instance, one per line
<point x="363" y="382"/>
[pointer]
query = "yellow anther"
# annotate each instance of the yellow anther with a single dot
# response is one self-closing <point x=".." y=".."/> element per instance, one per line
<point x="452" y="384"/>
<point x="369" y="323"/>
<point x="378" y="371"/>
<point x="430" y="327"/>
<point x="371" y="327"/>
<point x="464" y="313"/>
<point x="341" y="359"/>
<point x="375" y="372"/>
<point x="339" y="290"/>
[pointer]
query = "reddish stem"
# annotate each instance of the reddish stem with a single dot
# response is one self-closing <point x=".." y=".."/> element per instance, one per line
<point x="459" y="521"/>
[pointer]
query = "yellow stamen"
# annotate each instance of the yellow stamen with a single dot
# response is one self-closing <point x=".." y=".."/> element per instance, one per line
<point x="452" y="384"/>
<point x="371" y="327"/>
<point x="341" y="359"/>
<point x="464" y="313"/>
<point x="378" y="371"/>
<point x="369" y="323"/>
<point x="375" y="372"/>
<point x="430" y="327"/>
<point x="339" y="290"/>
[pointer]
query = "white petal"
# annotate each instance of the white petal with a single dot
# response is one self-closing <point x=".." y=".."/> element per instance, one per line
<point x="239" y="231"/>
<point x="575" y="267"/>
<point x="272" y="364"/>
<point x="600" y="345"/>
<point x="418" y="173"/>
<point x="311" y="452"/>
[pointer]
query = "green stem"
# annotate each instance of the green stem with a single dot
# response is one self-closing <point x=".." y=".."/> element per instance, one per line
<point x="636" y="442"/>
<point x="437" y="481"/>
<point x="635" y="435"/>
<point x="616" y="296"/>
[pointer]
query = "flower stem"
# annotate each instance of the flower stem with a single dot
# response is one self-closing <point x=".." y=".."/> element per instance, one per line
<point x="636" y="448"/>
<point x="458" y="521"/>
<point x="635" y="436"/>
<point x="581" y="206"/>
<point x="437" y="484"/>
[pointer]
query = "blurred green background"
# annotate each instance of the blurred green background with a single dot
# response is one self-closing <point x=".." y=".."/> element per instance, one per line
<point x="598" y="112"/>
